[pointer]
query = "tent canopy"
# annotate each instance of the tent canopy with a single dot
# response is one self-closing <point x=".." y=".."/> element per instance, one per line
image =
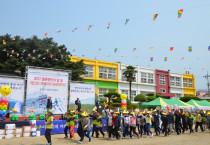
<point x="157" y="102"/>
<point x="175" y="101"/>
<point x="199" y="103"/>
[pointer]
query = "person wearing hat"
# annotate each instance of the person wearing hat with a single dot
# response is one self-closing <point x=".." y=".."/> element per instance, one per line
<point x="117" y="125"/>
<point x="49" y="126"/>
<point x="177" y="122"/>
<point x="198" y="122"/>
<point x="110" y="118"/>
<point x="171" y="122"/>
<point x="72" y="123"/>
<point x="133" y="125"/>
<point x="67" y="124"/>
<point x="190" y="120"/>
<point x="156" y="118"/>
<point x="99" y="125"/>
<point x="148" y="119"/>
<point x="93" y="116"/>
<point x="86" y="127"/>
<point x="126" y="124"/>
<point x="165" y="124"/>
<point x="208" y="119"/>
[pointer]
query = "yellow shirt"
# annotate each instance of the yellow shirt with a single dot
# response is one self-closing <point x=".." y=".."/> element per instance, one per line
<point x="67" y="120"/>
<point x="49" y="119"/>
<point x="148" y="119"/>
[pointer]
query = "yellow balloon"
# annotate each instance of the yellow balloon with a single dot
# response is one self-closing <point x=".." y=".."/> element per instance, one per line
<point x="123" y="96"/>
<point x="5" y="90"/>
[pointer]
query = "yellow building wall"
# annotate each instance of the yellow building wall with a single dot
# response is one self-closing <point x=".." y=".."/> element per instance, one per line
<point x="96" y="64"/>
<point x="187" y="90"/>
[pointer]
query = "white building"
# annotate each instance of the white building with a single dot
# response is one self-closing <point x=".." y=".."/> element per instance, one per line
<point x="176" y="84"/>
<point x="144" y="83"/>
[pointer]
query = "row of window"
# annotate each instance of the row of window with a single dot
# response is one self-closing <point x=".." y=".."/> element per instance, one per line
<point x="110" y="74"/>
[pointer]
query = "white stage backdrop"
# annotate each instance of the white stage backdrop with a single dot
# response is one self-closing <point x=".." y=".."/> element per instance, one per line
<point x="16" y="98"/>
<point x="85" y="92"/>
<point x="43" y="83"/>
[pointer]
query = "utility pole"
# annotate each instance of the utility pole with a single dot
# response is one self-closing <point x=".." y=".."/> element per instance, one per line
<point x="207" y="78"/>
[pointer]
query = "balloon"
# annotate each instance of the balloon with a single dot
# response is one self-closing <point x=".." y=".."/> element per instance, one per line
<point x="15" y="111"/>
<point x="5" y="90"/>
<point x="2" y="108"/>
<point x="2" y="103"/>
<point x="123" y="96"/>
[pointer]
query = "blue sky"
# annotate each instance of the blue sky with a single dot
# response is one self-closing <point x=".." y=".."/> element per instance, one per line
<point x="27" y="18"/>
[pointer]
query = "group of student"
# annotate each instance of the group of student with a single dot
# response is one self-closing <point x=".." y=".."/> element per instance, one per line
<point x="121" y="124"/>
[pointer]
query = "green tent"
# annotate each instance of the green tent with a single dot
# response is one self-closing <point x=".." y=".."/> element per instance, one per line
<point x="157" y="102"/>
<point x="199" y="103"/>
<point x="175" y="101"/>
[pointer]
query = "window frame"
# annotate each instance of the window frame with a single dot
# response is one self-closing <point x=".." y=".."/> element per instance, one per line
<point x="88" y="75"/>
<point x="162" y="81"/>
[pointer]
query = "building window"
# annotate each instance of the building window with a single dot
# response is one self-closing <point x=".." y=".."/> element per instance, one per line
<point x="162" y="80"/>
<point x="185" y="82"/>
<point x="178" y="82"/>
<point x="133" y="95"/>
<point x="190" y="83"/>
<point x="111" y="73"/>
<point x="89" y="71"/>
<point x="143" y="77"/>
<point x="103" y="72"/>
<point x="178" y="95"/>
<point x="123" y="78"/>
<point x="172" y="81"/>
<point x="124" y="92"/>
<point x="109" y="90"/>
<point x="102" y="91"/>
<point x="162" y="90"/>
<point x="150" y="78"/>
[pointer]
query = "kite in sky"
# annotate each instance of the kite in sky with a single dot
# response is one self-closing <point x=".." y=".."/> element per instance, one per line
<point x="39" y="55"/>
<point x="171" y="48"/>
<point x="165" y="59"/>
<point x="45" y="34"/>
<point x="209" y="48"/>
<point x="126" y="21"/>
<point x="89" y="27"/>
<point x="61" y="56"/>
<point x="73" y="50"/>
<point x="13" y="51"/>
<point x="13" y="38"/>
<point x="108" y="26"/>
<point x="121" y="55"/>
<point x="99" y="50"/>
<point x="180" y="13"/>
<point x="155" y="16"/>
<point x="136" y="57"/>
<point x="134" y="49"/>
<point x="151" y="58"/>
<point x="34" y="51"/>
<point x="74" y="29"/>
<point x="182" y="58"/>
<point x="190" y="49"/>
<point x="115" y="50"/>
<point x="58" y="31"/>
<point x="151" y="48"/>
<point x="4" y="42"/>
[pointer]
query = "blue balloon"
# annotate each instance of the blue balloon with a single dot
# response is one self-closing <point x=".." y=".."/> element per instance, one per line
<point x="4" y="111"/>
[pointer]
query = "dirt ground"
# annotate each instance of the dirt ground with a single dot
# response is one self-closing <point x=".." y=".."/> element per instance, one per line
<point x="200" y="138"/>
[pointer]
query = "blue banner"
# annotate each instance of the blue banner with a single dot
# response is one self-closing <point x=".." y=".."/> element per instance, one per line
<point x="59" y="125"/>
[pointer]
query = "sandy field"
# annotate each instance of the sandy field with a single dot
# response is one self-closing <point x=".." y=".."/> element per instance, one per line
<point x="183" y="139"/>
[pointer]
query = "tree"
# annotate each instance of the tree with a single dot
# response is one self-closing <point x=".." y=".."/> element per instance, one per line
<point x="140" y="98"/>
<point x="158" y="95"/>
<point x="150" y="94"/>
<point x="188" y="98"/>
<point x="119" y="100"/>
<point x="130" y="75"/>
<point x="151" y="98"/>
<point x="110" y="95"/>
<point x="18" y="53"/>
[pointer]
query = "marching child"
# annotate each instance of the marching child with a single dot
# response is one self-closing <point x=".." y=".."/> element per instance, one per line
<point x="117" y="125"/>
<point x="133" y="125"/>
<point x="191" y="118"/>
<point x="67" y="124"/>
<point x="165" y="124"/>
<point x="148" y="119"/>
<point x="126" y="124"/>
<point x="72" y="123"/>
<point x="99" y="125"/>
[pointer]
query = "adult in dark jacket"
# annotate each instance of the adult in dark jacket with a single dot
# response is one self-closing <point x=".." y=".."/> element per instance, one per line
<point x="177" y="121"/>
<point x="117" y="125"/>
<point x="165" y="124"/>
<point x="78" y="103"/>
<point x="49" y="103"/>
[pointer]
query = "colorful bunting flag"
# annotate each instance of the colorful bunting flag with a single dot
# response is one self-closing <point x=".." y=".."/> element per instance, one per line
<point x="151" y="58"/>
<point x="34" y="51"/>
<point x="89" y="27"/>
<point x="4" y="49"/>
<point x="83" y="55"/>
<point x="182" y="58"/>
<point x="58" y="31"/>
<point x="190" y="48"/>
<point x="13" y="51"/>
<point x="126" y="21"/>
<point x="165" y="59"/>
<point x="74" y="29"/>
<point x="51" y="56"/>
<point x="121" y="56"/>
<point x="33" y="36"/>
<point x="47" y="50"/>
<point x="39" y="55"/>
<point x="18" y="54"/>
<point x="108" y="26"/>
<point x="171" y="48"/>
<point x="136" y="57"/>
<point x="45" y="34"/>
<point x="180" y="13"/>
<point x="115" y="50"/>
<point x="99" y="50"/>
<point x="134" y="49"/>
<point x="13" y="38"/>
<point x="7" y="54"/>
<point x="29" y="54"/>
<point x="209" y="48"/>
<point x="33" y="58"/>
<point x="155" y="16"/>
<point x="4" y="42"/>
<point x="61" y="56"/>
